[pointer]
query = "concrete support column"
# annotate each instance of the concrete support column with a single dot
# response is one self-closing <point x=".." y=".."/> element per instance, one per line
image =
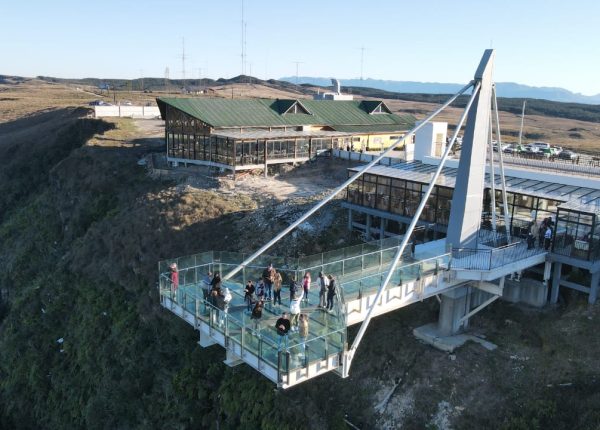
<point x="452" y="308"/>
<point x="556" y="274"/>
<point x="368" y="227"/>
<point x="382" y="228"/>
<point x="350" y="219"/>
<point x="594" y="288"/>
<point x="547" y="271"/>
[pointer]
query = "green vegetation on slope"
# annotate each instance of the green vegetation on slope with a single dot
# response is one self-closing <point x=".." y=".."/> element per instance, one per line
<point x="78" y="257"/>
<point x="83" y="340"/>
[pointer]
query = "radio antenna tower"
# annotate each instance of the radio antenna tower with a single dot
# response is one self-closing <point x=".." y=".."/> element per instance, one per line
<point x="243" y="41"/>
<point x="183" y="62"/>
<point x="362" y="58"/>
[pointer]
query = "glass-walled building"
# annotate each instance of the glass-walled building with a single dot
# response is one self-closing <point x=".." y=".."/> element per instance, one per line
<point x="242" y="134"/>
<point x="384" y="201"/>
<point x="577" y="232"/>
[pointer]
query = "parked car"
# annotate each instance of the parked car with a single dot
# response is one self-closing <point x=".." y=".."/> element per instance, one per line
<point x="513" y="149"/>
<point x="99" y="103"/>
<point x="540" y="145"/>
<point x="531" y="149"/>
<point x="568" y="155"/>
<point x="504" y="146"/>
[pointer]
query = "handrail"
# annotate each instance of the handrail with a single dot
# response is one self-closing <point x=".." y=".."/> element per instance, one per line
<point x="477" y="258"/>
<point x="296" y="265"/>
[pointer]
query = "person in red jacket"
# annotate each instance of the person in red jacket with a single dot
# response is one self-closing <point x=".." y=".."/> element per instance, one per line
<point x="174" y="280"/>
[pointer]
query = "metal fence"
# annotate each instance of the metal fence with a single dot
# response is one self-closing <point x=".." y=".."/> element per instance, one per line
<point x="488" y="259"/>
<point x="582" y="164"/>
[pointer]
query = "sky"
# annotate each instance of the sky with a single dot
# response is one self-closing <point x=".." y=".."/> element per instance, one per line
<point x="538" y="42"/>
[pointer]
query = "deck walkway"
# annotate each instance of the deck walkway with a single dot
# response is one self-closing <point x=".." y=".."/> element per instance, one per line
<point x="359" y="271"/>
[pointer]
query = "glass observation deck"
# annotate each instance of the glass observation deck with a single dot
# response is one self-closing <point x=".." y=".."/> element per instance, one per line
<point x="358" y="271"/>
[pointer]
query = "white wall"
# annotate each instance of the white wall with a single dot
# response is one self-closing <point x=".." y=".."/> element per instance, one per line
<point x="147" y="112"/>
<point x="425" y="140"/>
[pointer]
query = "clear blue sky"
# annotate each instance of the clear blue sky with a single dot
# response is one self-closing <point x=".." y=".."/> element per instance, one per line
<point x="538" y="42"/>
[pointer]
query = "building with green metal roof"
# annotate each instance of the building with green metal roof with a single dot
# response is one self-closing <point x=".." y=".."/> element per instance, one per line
<point x="242" y="134"/>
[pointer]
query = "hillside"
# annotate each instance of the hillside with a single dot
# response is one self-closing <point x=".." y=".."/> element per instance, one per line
<point x="85" y="344"/>
<point x="505" y="89"/>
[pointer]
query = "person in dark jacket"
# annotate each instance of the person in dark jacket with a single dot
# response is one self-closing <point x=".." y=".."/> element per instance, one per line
<point x="293" y="288"/>
<point x="257" y="314"/>
<point x="249" y="295"/>
<point x="221" y="304"/>
<point x="330" y="293"/>
<point x="282" y="325"/>
<point x="215" y="284"/>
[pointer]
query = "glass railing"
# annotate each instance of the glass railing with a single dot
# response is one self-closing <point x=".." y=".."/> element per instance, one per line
<point x="259" y="337"/>
<point x="406" y="272"/>
<point x="359" y="270"/>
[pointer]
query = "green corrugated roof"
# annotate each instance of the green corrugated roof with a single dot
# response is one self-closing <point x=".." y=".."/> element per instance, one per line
<point x="220" y="112"/>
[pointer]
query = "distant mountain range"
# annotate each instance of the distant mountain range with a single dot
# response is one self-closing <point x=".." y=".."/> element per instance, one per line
<point x="505" y="89"/>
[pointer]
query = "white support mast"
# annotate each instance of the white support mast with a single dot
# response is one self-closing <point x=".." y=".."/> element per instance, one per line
<point x="363" y="328"/>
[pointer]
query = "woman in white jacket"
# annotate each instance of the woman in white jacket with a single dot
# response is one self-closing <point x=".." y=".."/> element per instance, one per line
<point x="295" y="310"/>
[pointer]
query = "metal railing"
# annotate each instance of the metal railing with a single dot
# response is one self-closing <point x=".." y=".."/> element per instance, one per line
<point x="488" y="259"/>
<point x="582" y="164"/>
<point x="258" y="342"/>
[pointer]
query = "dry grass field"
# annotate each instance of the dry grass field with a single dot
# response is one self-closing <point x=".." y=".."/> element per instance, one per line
<point x="568" y="133"/>
<point x="21" y="99"/>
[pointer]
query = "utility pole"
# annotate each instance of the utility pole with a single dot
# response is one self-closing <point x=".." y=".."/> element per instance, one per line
<point x="199" y="70"/>
<point x="297" y="63"/>
<point x="167" y="80"/>
<point x="243" y="41"/>
<point x="362" y="58"/>
<point x="183" y="62"/>
<point x="522" y="117"/>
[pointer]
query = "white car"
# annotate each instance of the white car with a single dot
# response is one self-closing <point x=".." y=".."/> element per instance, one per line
<point x="531" y="148"/>
<point x="540" y="145"/>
